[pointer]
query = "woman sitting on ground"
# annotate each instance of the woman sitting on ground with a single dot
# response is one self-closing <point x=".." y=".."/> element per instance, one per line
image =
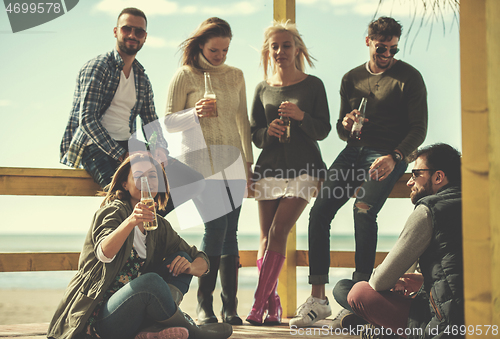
<point x="130" y="281"/>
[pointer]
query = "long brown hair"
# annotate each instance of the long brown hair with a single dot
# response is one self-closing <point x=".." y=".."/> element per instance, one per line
<point x="115" y="189"/>
<point x="211" y="28"/>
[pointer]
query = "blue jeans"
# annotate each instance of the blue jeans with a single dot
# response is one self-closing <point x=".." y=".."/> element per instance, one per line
<point x="144" y="300"/>
<point x="98" y="164"/>
<point x="340" y="292"/>
<point x="348" y="172"/>
<point x="219" y="206"/>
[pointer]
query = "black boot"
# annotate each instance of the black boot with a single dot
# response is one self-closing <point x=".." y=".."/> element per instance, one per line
<point x="206" y="286"/>
<point x="210" y="331"/>
<point x="229" y="265"/>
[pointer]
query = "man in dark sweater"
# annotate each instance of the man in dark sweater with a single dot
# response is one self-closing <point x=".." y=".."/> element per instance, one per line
<point x="393" y="301"/>
<point x="395" y="125"/>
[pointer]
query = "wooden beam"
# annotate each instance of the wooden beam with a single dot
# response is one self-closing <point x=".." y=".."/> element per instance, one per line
<point x="41" y="261"/>
<point x="343" y="259"/>
<point x="77" y="182"/>
<point x="284" y="10"/>
<point x="287" y="283"/>
<point x="46" y="182"/>
<point x="67" y="261"/>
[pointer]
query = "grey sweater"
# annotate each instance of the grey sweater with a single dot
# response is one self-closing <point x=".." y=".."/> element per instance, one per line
<point x="396" y="107"/>
<point x="412" y="242"/>
<point x="302" y="155"/>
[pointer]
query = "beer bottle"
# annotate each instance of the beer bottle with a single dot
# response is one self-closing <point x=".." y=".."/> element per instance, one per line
<point x="285" y="137"/>
<point x="210" y="95"/>
<point x="358" y="124"/>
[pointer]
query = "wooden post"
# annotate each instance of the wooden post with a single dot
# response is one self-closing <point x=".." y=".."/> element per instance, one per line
<point x="480" y="84"/>
<point x="287" y="286"/>
<point x="284" y="10"/>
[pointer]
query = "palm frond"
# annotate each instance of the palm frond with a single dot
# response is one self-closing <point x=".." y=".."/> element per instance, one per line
<point x="432" y="12"/>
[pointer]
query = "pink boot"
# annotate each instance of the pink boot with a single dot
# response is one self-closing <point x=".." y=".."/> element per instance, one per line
<point x="271" y="268"/>
<point x="274" y="308"/>
<point x="272" y="305"/>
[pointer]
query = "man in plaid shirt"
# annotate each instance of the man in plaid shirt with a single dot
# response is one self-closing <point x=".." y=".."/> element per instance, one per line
<point x="111" y="90"/>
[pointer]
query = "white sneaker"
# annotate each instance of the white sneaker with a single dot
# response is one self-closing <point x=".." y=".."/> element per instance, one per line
<point x="310" y="312"/>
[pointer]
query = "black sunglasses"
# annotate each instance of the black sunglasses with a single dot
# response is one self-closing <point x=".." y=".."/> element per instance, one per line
<point x="383" y="49"/>
<point x="138" y="32"/>
<point x="416" y="172"/>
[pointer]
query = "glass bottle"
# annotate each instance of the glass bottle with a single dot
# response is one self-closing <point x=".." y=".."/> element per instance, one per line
<point x="285" y="138"/>
<point x="147" y="199"/>
<point x="210" y="95"/>
<point x="358" y="124"/>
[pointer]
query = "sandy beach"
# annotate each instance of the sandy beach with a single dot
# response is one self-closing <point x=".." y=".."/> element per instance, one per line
<point x="38" y="306"/>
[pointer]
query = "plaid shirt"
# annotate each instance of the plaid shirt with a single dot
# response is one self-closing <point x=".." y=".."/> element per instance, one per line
<point x="96" y="85"/>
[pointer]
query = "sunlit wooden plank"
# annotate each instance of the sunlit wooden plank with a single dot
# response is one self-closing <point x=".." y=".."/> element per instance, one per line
<point x="41" y="261"/>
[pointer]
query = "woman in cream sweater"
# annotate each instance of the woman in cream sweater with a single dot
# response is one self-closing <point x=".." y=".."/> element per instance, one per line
<point x="219" y="148"/>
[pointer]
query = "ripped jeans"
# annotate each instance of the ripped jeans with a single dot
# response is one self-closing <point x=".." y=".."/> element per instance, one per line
<point x="347" y="173"/>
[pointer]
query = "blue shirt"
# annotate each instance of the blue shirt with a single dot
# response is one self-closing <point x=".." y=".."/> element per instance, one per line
<point x="96" y="86"/>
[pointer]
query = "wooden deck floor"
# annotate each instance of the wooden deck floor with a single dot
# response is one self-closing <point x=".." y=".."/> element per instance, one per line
<point x="39" y="331"/>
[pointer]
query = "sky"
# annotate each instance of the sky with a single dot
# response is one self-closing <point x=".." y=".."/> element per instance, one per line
<point x="39" y="68"/>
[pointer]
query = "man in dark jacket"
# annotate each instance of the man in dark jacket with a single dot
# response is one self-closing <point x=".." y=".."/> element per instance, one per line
<point x="427" y="305"/>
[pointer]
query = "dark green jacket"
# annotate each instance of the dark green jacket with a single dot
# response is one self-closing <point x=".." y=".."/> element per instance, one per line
<point x="93" y="278"/>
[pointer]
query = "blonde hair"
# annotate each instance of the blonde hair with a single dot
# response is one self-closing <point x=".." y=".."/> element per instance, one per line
<point x="211" y="28"/>
<point x="289" y="27"/>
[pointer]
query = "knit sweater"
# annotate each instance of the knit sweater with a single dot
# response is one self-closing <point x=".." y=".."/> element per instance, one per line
<point x="231" y="129"/>
<point x="302" y="155"/>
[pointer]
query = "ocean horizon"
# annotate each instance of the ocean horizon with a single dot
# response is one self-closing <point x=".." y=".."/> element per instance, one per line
<point x="73" y="243"/>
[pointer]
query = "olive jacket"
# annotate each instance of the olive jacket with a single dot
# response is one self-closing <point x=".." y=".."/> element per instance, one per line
<point x="94" y="277"/>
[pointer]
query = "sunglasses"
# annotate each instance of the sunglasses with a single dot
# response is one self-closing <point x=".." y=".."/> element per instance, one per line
<point x="383" y="49"/>
<point x="416" y="172"/>
<point x="138" y="32"/>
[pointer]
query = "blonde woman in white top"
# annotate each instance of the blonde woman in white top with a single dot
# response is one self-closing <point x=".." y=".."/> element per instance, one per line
<point x="219" y="148"/>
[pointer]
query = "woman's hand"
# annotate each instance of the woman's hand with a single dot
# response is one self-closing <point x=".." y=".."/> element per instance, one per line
<point x="204" y="107"/>
<point x="290" y="110"/>
<point x="179" y="265"/>
<point x="276" y="128"/>
<point x="140" y="214"/>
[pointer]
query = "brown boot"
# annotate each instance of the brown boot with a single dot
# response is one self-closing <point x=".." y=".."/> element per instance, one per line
<point x="229" y="266"/>
<point x="177" y="295"/>
<point x="206" y="286"/>
<point x="209" y="331"/>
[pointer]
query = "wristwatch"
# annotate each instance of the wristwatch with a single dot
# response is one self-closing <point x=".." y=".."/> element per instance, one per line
<point x="396" y="156"/>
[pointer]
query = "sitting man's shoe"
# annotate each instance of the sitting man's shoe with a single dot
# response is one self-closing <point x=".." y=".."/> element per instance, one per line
<point x="347" y="319"/>
<point x="310" y="312"/>
<point x="337" y="321"/>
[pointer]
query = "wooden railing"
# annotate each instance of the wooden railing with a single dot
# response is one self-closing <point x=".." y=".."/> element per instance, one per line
<point x="77" y="182"/>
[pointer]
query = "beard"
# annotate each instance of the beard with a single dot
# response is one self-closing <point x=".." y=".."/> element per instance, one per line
<point x="380" y="65"/>
<point x="426" y="190"/>
<point x="129" y="50"/>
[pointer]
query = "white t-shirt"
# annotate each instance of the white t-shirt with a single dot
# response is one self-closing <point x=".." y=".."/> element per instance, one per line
<point x="116" y="119"/>
<point x="139" y="245"/>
